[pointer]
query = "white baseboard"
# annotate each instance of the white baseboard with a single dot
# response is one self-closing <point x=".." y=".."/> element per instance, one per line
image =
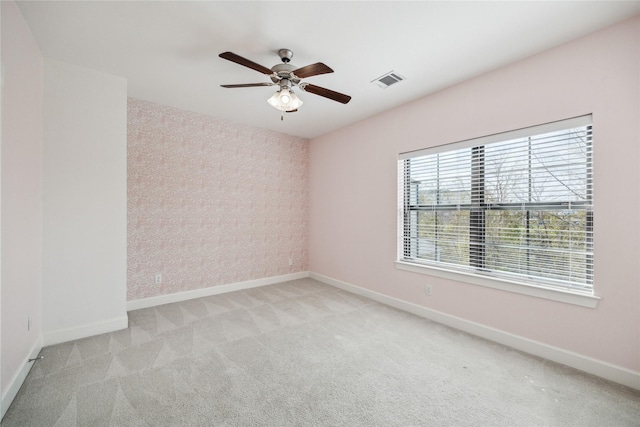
<point x="611" y="372"/>
<point x="19" y="377"/>
<point x="213" y="290"/>
<point x="84" y="331"/>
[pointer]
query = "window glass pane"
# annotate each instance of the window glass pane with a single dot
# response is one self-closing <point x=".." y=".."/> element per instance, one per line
<point x="549" y="167"/>
<point x="443" y="236"/>
<point x="546" y="244"/>
<point x="443" y="178"/>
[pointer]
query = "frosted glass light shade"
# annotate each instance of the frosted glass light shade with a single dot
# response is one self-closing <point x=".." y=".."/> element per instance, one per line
<point x="285" y="100"/>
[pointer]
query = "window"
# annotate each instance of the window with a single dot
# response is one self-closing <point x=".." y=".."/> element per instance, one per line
<point x="516" y="206"/>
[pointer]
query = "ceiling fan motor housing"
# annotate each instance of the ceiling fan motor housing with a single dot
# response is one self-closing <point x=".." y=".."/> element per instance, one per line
<point x="282" y="71"/>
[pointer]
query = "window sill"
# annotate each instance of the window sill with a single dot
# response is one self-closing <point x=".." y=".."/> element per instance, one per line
<point x="575" y="298"/>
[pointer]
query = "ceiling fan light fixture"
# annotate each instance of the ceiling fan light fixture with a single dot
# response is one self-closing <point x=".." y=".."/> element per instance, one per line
<point x="285" y="100"/>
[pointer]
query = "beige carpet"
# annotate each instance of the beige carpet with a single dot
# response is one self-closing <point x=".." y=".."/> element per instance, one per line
<point x="304" y="354"/>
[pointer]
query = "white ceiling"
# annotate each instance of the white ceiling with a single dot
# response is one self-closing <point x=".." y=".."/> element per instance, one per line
<point x="168" y="50"/>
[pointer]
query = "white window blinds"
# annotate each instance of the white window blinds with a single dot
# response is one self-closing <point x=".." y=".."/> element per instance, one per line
<point x="517" y="205"/>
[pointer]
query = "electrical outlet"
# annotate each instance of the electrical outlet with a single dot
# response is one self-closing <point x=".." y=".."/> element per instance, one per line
<point x="290" y="261"/>
<point x="427" y="289"/>
<point x="158" y="279"/>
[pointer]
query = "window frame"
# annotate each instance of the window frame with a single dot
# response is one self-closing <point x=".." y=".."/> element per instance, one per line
<point x="477" y="208"/>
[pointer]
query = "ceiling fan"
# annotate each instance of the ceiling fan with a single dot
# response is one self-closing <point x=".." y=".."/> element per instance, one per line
<point x="287" y="76"/>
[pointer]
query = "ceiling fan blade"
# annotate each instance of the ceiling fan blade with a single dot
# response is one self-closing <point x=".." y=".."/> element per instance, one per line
<point x="327" y="93"/>
<point x="312" y="70"/>
<point x="249" y="85"/>
<point x="230" y="56"/>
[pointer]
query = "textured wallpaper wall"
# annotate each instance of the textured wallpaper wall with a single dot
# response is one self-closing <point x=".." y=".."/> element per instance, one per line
<point x="211" y="202"/>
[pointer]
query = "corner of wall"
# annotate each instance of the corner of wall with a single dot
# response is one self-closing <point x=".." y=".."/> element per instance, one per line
<point x="84" y="331"/>
<point x="19" y="377"/>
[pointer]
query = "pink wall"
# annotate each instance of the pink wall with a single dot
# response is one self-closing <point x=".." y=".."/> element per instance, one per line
<point x="21" y="192"/>
<point x="211" y="202"/>
<point x="355" y="169"/>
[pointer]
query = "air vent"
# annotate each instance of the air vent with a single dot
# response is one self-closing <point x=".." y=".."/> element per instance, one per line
<point x="388" y="79"/>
